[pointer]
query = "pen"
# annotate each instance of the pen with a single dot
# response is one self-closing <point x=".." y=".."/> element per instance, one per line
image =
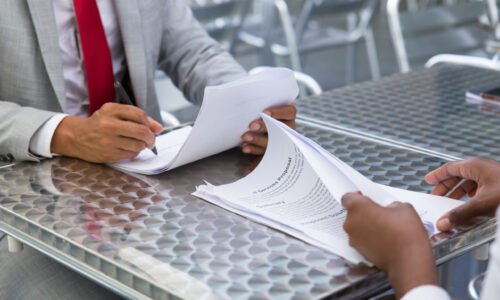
<point x="453" y="189"/>
<point x="123" y="98"/>
<point x="169" y="129"/>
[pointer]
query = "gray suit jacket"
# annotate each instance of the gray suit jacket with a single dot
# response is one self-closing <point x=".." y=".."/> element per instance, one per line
<point x="157" y="34"/>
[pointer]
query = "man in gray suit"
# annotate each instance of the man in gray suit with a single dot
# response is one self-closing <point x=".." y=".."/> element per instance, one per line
<point x="59" y="61"/>
<point x="44" y="74"/>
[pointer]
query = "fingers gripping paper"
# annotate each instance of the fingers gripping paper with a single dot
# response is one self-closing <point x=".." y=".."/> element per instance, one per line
<point x="297" y="189"/>
<point x="225" y="115"/>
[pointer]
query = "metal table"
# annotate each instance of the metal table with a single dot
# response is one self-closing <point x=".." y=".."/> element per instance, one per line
<point x="423" y="110"/>
<point x="147" y="237"/>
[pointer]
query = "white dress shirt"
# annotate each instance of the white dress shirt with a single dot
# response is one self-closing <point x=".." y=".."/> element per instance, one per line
<point x="76" y="100"/>
<point x="491" y="285"/>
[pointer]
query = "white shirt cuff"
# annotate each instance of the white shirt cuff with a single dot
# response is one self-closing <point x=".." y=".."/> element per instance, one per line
<point x="427" y="292"/>
<point x="491" y="288"/>
<point x="41" y="140"/>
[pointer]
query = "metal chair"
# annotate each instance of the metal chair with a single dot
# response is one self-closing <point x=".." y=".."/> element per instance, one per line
<point x="358" y="14"/>
<point x="306" y="34"/>
<point x="420" y="34"/>
<point x="492" y="45"/>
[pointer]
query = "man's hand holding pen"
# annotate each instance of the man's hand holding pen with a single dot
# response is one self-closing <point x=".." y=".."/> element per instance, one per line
<point x="114" y="132"/>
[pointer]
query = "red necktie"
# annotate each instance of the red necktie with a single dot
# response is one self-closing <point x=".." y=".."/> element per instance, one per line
<point x="96" y="54"/>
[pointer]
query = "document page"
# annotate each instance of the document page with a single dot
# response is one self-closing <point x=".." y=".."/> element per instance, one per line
<point x="297" y="189"/>
<point x="429" y="207"/>
<point x="168" y="146"/>
<point x="333" y="170"/>
<point x="226" y="112"/>
<point x="285" y="192"/>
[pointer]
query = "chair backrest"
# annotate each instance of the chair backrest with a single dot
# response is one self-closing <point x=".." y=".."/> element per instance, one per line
<point x="424" y="32"/>
<point x="313" y="9"/>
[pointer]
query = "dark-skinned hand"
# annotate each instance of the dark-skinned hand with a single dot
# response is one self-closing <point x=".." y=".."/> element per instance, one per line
<point x="479" y="178"/>
<point x="393" y="238"/>
<point x="255" y="140"/>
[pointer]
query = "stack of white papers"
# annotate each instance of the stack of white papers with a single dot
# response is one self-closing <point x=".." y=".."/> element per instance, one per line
<point x="226" y="112"/>
<point x="297" y="189"/>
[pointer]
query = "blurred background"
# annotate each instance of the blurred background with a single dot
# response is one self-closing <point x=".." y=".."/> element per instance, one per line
<point x="333" y="43"/>
<point x="340" y="42"/>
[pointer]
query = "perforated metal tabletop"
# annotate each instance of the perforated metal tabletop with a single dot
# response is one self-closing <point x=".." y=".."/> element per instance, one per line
<point x="148" y="237"/>
<point x="424" y="109"/>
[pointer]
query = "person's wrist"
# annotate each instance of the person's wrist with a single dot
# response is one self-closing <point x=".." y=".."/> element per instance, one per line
<point x="65" y="136"/>
<point x="411" y="268"/>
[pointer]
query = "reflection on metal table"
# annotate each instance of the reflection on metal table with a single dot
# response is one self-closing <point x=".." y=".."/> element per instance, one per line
<point x="147" y="237"/>
<point x="425" y="110"/>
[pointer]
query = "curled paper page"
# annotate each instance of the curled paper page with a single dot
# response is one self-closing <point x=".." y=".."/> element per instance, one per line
<point x="297" y="189"/>
<point x="225" y="115"/>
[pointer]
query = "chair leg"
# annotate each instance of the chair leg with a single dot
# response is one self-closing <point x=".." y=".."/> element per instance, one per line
<point x="291" y="39"/>
<point x="371" y="51"/>
<point x="397" y="35"/>
<point x="351" y="48"/>
<point x="268" y="16"/>
<point x="14" y="245"/>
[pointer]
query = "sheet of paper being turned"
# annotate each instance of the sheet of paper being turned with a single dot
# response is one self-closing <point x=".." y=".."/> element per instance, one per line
<point x="297" y="189"/>
<point x="225" y="114"/>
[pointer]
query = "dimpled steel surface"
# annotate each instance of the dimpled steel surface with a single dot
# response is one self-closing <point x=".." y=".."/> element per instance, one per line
<point x="425" y="108"/>
<point x="140" y="230"/>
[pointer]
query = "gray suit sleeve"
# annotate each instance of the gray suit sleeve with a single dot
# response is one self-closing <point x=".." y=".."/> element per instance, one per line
<point x="190" y="57"/>
<point x="18" y="125"/>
